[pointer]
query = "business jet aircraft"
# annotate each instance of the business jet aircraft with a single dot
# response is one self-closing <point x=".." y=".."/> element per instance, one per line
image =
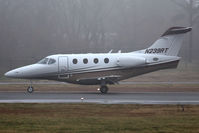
<point x="106" y="68"/>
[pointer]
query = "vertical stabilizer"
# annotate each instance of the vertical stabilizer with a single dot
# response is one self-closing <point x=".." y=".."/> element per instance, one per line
<point x="169" y="43"/>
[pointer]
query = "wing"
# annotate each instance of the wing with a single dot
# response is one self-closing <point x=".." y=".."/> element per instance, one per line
<point x="112" y="79"/>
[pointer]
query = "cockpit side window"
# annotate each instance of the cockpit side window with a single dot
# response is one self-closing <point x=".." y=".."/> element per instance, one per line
<point x="51" y="61"/>
<point x="43" y="61"/>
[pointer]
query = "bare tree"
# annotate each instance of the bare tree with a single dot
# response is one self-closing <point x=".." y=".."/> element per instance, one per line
<point x="83" y="22"/>
<point x="191" y="7"/>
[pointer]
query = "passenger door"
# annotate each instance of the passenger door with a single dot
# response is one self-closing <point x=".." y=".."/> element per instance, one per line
<point x="63" y="67"/>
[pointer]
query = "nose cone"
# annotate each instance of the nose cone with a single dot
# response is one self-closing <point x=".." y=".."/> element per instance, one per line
<point x="26" y="72"/>
<point x="12" y="74"/>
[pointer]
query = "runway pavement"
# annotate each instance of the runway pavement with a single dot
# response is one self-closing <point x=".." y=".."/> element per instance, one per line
<point x="110" y="98"/>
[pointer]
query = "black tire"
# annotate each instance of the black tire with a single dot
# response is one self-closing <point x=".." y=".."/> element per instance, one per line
<point x="30" y="89"/>
<point x="104" y="89"/>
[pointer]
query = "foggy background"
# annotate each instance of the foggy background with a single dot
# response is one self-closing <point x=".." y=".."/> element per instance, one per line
<point x="33" y="29"/>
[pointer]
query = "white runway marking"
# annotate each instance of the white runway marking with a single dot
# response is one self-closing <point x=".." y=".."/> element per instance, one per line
<point x="100" y="101"/>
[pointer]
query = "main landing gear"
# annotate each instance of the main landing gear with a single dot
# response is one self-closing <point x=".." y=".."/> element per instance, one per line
<point x="30" y="88"/>
<point x="104" y="89"/>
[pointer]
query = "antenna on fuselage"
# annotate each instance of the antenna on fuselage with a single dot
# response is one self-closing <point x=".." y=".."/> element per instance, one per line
<point x="110" y="51"/>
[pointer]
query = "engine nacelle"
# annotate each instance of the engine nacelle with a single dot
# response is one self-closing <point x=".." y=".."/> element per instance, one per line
<point x="130" y="61"/>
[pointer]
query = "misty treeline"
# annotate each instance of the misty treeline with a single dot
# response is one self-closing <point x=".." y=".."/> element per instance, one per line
<point x="33" y="29"/>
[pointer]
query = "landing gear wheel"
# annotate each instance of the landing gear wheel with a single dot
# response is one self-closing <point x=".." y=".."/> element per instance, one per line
<point x="104" y="89"/>
<point x="30" y="89"/>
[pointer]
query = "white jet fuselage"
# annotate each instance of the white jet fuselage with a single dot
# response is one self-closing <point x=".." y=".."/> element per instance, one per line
<point x="92" y="68"/>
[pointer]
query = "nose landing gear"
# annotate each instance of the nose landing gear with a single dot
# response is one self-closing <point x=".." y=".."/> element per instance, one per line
<point x="30" y="88"/>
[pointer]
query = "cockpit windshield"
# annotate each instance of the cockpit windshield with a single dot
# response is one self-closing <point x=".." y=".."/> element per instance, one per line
<point x="48" y="61"/>
<point x="51" y="61"/>
<point x="43" y="61"/>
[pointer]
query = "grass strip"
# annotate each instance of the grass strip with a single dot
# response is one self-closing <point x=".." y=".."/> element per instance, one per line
<point x="98" y="118"/>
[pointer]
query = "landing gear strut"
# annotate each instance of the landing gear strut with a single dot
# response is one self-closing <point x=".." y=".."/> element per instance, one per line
<point x="104" y="89"/>
<point x="30" y="88"/>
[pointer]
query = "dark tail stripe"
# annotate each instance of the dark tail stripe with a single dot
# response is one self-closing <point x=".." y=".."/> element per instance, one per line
<point x="177" y="30"/>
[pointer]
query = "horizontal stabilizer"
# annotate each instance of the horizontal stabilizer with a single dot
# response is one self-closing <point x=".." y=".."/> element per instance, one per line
<point x="177" y="30"/>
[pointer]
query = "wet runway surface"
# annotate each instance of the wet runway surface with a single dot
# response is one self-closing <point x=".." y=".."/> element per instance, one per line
<point x="110" y="98"/>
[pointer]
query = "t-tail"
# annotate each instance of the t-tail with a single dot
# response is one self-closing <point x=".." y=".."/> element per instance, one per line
<point x="169" y="43"/>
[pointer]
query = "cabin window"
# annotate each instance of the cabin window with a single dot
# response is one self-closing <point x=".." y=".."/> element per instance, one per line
<point x="51" y="61"/>
<point x="106" y="60"/>
<point x="43" y="61"/>
<point x="95" y="60"/>
<point x="74" y="61"/>
<point x="85" y="61"/>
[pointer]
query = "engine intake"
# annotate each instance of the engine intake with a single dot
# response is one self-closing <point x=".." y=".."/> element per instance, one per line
<point x="130" y="61"/>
